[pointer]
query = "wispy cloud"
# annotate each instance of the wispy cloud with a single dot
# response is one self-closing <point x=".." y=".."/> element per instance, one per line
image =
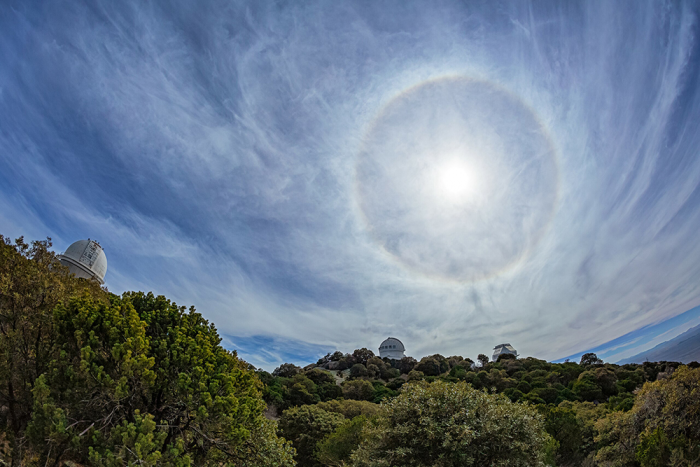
<point x="213" y="150"/>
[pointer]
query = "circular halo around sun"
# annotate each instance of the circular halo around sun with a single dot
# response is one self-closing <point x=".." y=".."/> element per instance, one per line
<point x="457" y="178"/>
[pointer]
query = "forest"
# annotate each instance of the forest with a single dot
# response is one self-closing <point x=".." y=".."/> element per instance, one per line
<point x="88" y="377"/>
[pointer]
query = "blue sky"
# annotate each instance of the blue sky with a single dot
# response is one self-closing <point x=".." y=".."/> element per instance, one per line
<point x="320" y="175"/>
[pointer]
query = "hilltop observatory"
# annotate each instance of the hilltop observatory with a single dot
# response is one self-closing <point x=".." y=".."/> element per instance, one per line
<point x="86" y="259"/>
<point x="503" y="349"/>
<point x="392" y="348"/>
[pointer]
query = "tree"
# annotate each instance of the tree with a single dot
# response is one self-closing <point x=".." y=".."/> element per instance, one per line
<point x="428" y="366"/>
<point x="139" y="380"/>
<point x="32" y="284"/>
<point x="406" y="364"/>
<point x="358" y="370"/>
<point x="663" y="426"/>
<point x="336" y="448"/>
<point x="505" y="356"/>
<point x="359" y="389"/>
<point x="452" y="424"/>
<point x="350" y="408"/>
<point x="362" y="355"/>
<point x="433" y="365"/>
<point x="483" y="359"/>
<point x="286" y="370"/>
<point x="305" y="426"/>
<point x="590" y="359"/>
<point x="562" y="425"/>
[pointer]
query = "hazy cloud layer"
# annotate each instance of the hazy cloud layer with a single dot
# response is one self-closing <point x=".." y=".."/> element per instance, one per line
<point x="216" y="150"/>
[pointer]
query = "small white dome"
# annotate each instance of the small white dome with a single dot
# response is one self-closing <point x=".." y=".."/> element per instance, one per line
<point x="86" y="258"/>
<point x="392" y="348"/>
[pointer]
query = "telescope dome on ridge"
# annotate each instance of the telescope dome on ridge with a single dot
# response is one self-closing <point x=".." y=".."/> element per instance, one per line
<point x="392" y="348"/>
<point x="86" y="259"/>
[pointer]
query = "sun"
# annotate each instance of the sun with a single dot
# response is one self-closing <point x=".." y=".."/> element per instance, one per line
<point x="457" y="180"/>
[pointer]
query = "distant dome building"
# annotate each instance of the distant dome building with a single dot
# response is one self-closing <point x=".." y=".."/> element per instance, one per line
<point x="86" y="259"/>
<point x="392" y="348"/>
<point x="503" y="349"/>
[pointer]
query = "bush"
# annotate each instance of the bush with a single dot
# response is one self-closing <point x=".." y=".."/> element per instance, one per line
<point x="350" y="408"/>
<point x="305" y="426"/>
<point x="337" y="447"/>
<point x="360" y="389"/>
<point x="358" y="370"/>
<point x="142" y="381"/>
<point x="452" y="425"/>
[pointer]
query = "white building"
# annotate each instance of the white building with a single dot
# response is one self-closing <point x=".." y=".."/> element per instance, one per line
<point x="392" y="348"/>
<point x="86" y="259"/>
<point x="503" y="349"/>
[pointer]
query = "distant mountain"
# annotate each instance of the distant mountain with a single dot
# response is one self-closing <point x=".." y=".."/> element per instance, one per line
<point x="684" y="348"/>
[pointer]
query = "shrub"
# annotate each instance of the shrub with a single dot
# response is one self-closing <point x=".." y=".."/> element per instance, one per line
<point x="452" y="425"/>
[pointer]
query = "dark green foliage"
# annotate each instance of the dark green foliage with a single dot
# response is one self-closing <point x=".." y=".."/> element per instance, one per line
<point x="350" y="408"/>
<point x="362" y="355"/>
<point x="361" y="390"/>
<point x="505" y="356"/>
<point x="406" y="364"/>
<point x="381" y="392"/>
<point x="358" y="370"/>
<point x="433" y="365"/>
<point x="336" y="448"/>
<point x="562" y="425"/>
<point x="305" y="427"/>
<point x="286" y="370"/>
<point x="587" y="388"/>
<point x="590" y="359"/>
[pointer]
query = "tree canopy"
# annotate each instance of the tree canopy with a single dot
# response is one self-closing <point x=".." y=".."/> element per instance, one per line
<point x="452" y="425"/>
<point x="98" y="379"/>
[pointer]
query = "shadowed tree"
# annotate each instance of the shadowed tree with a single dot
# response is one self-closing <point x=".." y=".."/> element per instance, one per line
<point x="32" y="284"/>
<point x="590" y="359"/>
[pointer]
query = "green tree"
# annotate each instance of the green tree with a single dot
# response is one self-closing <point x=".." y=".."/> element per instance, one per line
<point x="350" y="408"/>
<point x="452" y="424"/>
<point x="360" y="389"/>
<point x="336" y="448"/>
<point x="483" y="359"/>
<point x="286" y="370"/>
<point x="662" y="428"/>
<point x="142" y="381"/>
<point x="32" y="284"/>
<point x="362" y="355"/>
<point x="406" y="364"/>
<point x="305" y="427"/>
<point x="562" y="425"/>
<point x="590" y="359"/>
<point x="358" y="370"/>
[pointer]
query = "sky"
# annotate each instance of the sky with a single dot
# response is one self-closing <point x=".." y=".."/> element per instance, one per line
<point x="314" y="176"/>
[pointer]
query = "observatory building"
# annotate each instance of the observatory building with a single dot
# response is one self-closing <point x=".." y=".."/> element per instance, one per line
<point x="392" y="348"/>
<point x="86" y="259"/>
<point x="503" y="349"/>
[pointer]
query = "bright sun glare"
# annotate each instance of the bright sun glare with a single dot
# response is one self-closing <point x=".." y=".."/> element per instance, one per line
<point x="457" y="181"/>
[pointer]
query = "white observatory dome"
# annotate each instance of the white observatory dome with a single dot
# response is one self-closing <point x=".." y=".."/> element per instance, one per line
<point x="501" y="349"/>
<point x="392" y="348"/>
<point x="86" y="259"/>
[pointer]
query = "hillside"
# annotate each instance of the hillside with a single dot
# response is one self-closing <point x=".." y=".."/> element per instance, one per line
<point x="684" y="348"/>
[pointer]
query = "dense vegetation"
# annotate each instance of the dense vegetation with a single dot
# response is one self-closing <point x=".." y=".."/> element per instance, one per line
<point x="91" y="378"/>
<point x="595" y="413"/>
